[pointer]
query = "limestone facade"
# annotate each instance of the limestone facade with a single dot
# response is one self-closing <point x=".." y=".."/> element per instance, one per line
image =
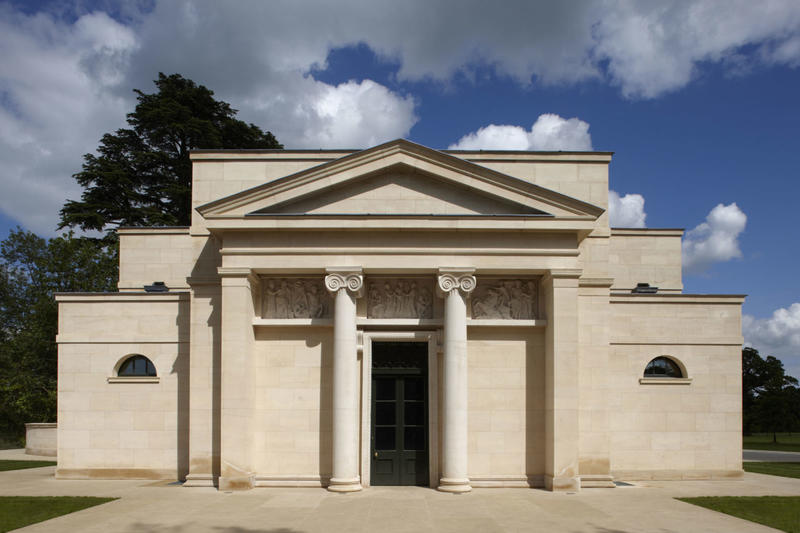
<point x="308" y="278"/>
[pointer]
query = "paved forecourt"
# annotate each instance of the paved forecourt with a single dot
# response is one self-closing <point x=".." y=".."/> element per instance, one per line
<point x="158" y="506"/>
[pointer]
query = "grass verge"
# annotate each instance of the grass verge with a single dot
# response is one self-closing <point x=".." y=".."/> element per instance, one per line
<point x="21" y="511"/>
<point x="773" y="469"/>
<point x="780" y="512"/>
<point x="787" y="442"/>
<point x="11" y="464"/>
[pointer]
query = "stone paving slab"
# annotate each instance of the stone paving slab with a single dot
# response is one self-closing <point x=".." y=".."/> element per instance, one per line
<point x="147" y="506"/>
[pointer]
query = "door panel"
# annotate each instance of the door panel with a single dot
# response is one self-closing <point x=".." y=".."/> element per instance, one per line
<point x="399" y="423"/>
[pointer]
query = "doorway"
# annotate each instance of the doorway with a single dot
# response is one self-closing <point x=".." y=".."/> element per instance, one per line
<point x="399" y="427"/>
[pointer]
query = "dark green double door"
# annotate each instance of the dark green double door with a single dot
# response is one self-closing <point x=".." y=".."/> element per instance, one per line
<point x="399" y="415"/>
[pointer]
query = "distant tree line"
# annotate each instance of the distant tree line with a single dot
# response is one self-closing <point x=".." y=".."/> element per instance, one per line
<point x="770" y="397"/>
<point x="140" y="176"/>
<point x="32" y="269"/>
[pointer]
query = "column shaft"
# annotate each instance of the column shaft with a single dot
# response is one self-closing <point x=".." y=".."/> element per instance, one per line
<point x="345" y="286"/>
<point x="455" y="286"/>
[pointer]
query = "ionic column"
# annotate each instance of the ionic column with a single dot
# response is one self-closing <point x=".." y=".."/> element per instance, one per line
<point x="455" y="285"/>
<point x="345" y="285"/>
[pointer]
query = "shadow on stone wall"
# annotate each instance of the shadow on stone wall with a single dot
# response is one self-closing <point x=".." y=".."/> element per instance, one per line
<point x="181" y="368"/>
<point x="326" y="411"/>
<point x="534" y="409"/>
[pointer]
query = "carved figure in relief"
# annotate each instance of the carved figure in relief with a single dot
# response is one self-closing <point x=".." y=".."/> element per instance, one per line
<point x="409" y="297"/>
<point x="423" y="304"/>
<point x="399" y="299"/>
<point x="374" y="300"/>
<point x="530" y="298"/>
<point x="315" y="307"/>
<point x="299" y="301"/>
<point x="487" y="304"/>
<point x="270" y="292"/>
<point x="519" y="307"/>
<point x="505" y="299"/>
<point x="388" y="301"/>
<point x="295" y="298"/>
<point x="282" y="299"/>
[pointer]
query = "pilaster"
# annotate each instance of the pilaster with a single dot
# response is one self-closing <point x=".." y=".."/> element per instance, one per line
<point x="204" y="383"/>
<point x="238" y="379"/>
<point x="593" y="349"/>
<point x="560" y="290"/>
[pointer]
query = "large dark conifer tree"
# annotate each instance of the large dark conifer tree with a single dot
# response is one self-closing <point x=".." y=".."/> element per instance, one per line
<point x="142" y="174"/>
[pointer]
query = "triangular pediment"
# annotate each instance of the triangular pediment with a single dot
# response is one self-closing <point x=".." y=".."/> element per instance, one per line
<point x="399" y="190"/>
<point x="399" y="178"/>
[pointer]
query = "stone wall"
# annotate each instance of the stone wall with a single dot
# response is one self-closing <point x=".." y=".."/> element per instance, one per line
<point x="645" y="256"/>
<point x="154" y="254"/>
<point x="506" y="406"/>
<point x="676" y="428"/>
<point x="111" y="427"/>
<point x="293" y="398"/>
<point x="41" y="439"/>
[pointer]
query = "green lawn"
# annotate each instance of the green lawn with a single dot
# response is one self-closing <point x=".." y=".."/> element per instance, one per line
<point x="787" y="442"/>
<point x="780" y="512"/>
<point x="21" y="511"/>
<point x="773" y="469"/>
<point x="9" y="464"/>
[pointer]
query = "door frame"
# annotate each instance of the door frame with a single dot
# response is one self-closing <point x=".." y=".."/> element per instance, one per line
<point x="431" y="337"/>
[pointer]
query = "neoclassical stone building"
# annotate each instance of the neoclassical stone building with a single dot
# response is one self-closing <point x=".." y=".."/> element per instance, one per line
<point x="399" y="316"/>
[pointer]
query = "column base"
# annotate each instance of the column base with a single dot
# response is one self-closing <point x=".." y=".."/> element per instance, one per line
<point x="557" y="484"/>
<point x="454" y="485"/>
<point x="199" y="480"/>
<point x="344" y="485"/>
<point x="237" y="483"/>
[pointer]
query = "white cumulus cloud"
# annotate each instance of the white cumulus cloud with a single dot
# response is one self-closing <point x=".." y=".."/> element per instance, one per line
<point x="657" y="47"/>
<point x="778" y="335"/>
<point x="64" y="84"/>
<point x="348" y="115"/>
<point x="66" y="80"/>
<point x="715" y="240"/>
<point x="626" y="211"/>
<point x="56" y="103"/>
<point x="550" y="132"/>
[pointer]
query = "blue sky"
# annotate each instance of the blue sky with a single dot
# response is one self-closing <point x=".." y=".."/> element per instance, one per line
<point x="699" y="100"/>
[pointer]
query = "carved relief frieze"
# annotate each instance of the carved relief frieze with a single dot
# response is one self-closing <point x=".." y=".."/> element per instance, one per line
<point x="295" y="298"/>
<point x="513" y="299"/>
<point x="400" y="298"/>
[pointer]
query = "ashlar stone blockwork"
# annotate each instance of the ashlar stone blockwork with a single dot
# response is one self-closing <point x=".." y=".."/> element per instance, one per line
<point x="503" y="263"/>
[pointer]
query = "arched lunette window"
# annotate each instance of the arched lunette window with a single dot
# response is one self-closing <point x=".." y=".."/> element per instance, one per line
<point x="136" y="366"/>
<point x="663" y="367"/>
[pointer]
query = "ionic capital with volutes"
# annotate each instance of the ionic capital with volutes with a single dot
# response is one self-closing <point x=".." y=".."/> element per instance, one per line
<point x="349" y="278"/>
<point x="461" y="279"/>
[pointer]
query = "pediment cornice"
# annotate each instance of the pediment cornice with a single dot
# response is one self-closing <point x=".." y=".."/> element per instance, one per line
<point x="404" y="156"/>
